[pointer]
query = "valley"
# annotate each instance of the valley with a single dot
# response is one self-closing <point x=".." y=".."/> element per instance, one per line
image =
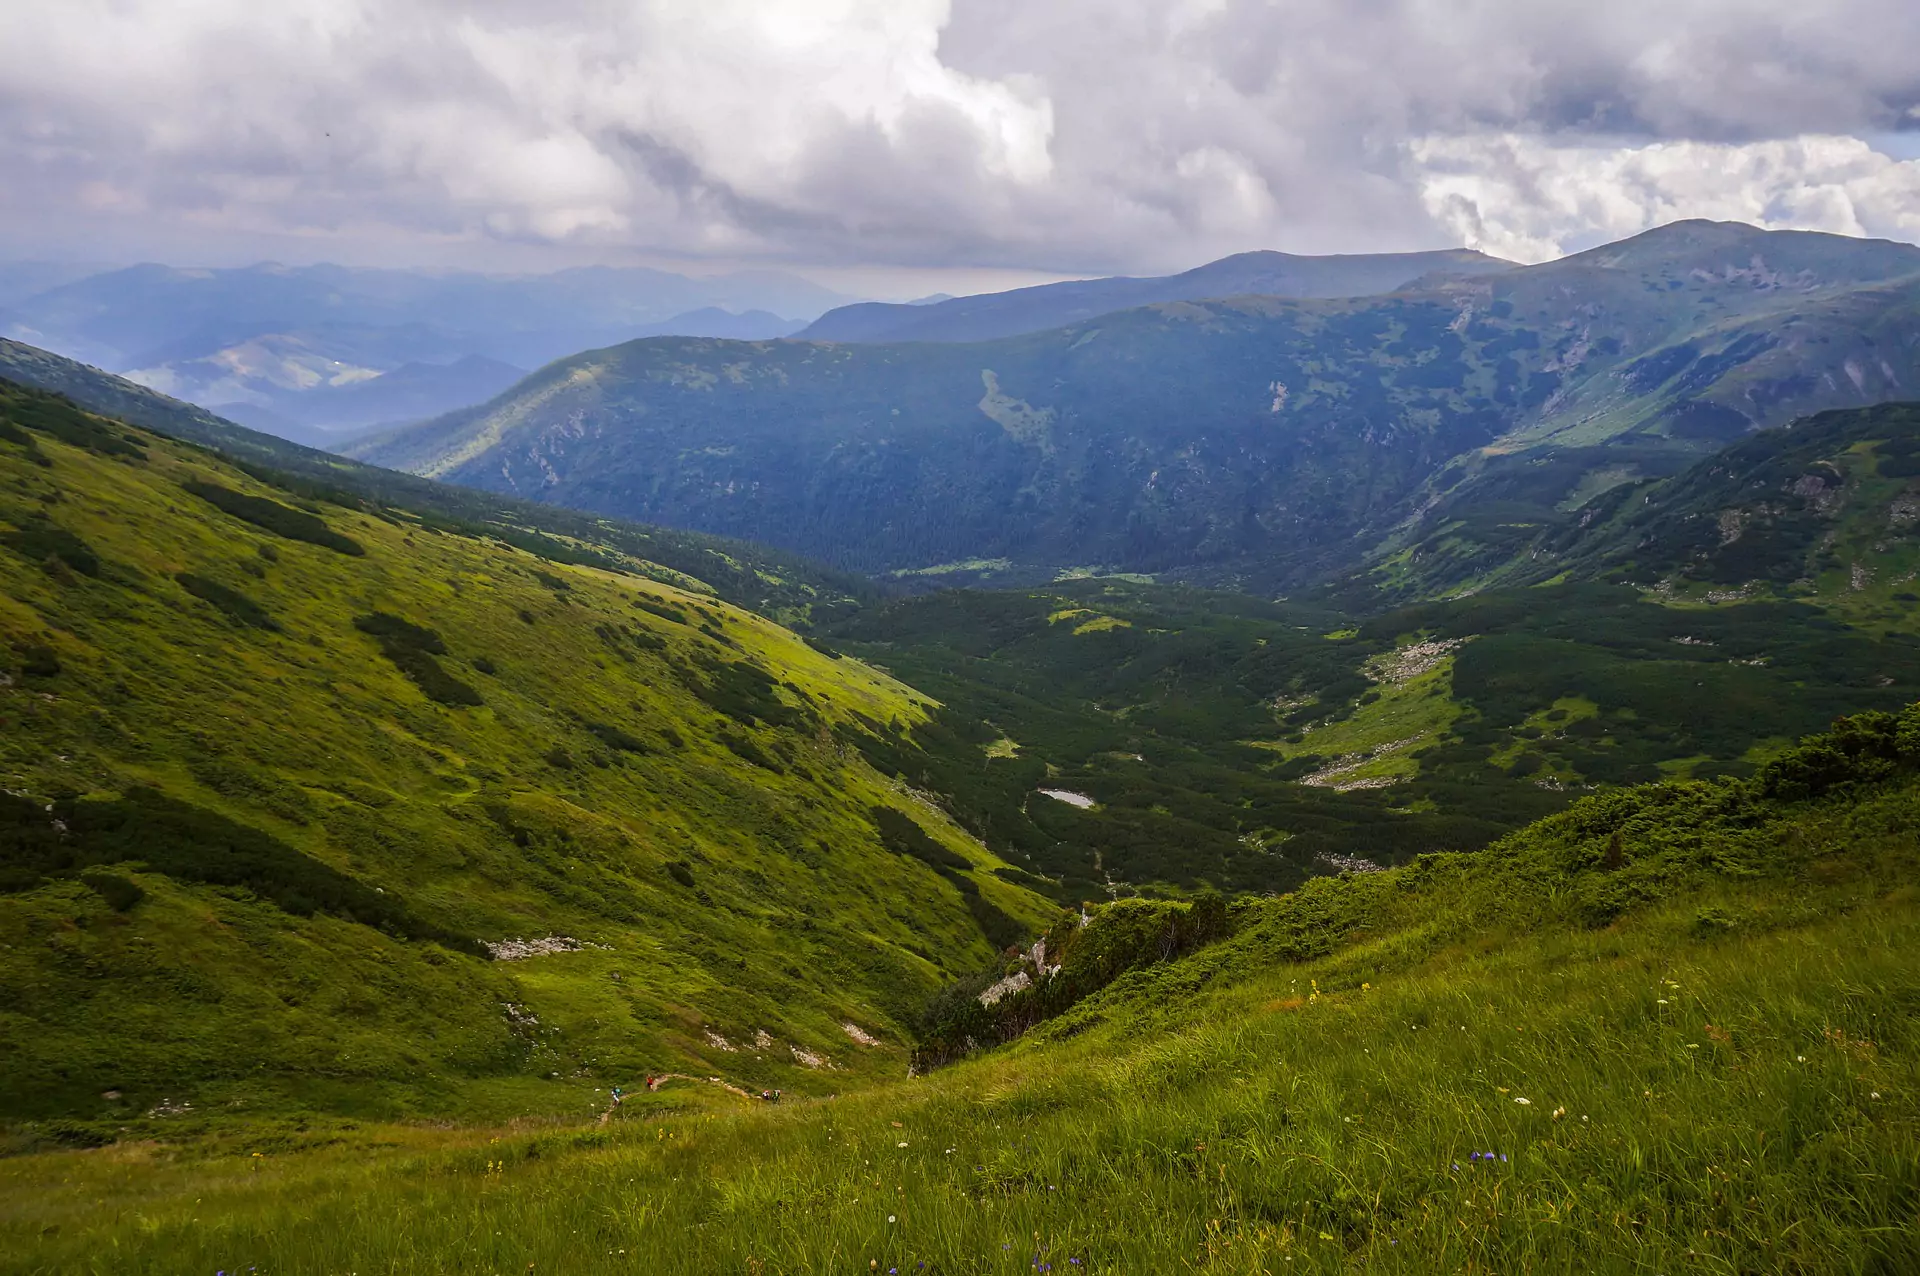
<point x="960" y="639"/>
<point x="1512" y="873"/>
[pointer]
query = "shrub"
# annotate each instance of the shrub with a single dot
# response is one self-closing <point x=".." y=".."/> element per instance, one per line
<point x="412" y="649"/>
<point x="271" y="516"/>
<point x="59" y="417"/>
<point x="121" y="893"/>
<point x="745" y="692"/>
<point x="40" y="541"/>
<point x="616" y="738"/>
<point x="191" y="844"/>
<point x="662" y="610"/>
<point x="748" y="750"/>
<point x="37" y="660"/>
<point x="235" y="605"/>
<point x="389" y="628"/>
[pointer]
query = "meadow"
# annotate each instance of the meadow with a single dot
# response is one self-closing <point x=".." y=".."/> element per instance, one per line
<point x="1671" y="1030"/>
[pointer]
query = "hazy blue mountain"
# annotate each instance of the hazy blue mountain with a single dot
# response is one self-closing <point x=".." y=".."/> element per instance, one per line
<point x="1006" y="314"/>
<point x="327" y="415"/>
<point x="712" y="321"/>
<point x="20" y="280"/>
<point x="283" y="346"/>
<point x="1267" y="440"/>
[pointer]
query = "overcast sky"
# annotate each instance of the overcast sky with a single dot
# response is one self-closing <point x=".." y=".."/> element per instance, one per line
<point x="895" y="140"/>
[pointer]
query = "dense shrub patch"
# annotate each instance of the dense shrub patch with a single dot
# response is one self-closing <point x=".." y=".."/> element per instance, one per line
<point x="235" y="605"/>
<point x="412" y="649"/>
<point x="272" y="516"/>
<point x="190" y="844"/>
<point x="903" y="835"/>
<point x="42" y="541"/>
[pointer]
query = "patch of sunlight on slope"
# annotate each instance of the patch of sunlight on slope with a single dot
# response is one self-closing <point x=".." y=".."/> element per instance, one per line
<point x="1376" y="745"/>
<point x="497" y="424"/>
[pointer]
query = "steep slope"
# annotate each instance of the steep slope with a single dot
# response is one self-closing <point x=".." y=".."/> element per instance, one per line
<point x="775" y="584"/>
<point x="1670" y="1029"/>
<point x="1264" y="442"/>
<point x="1022" y="310"/>
<point x="280" y="773"/>
<point x="1827" y="509"/>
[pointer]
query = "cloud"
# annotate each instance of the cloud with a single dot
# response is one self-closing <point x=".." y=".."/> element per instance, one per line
<point x="1526" y="199"/>
<point x="1077" y="134"/>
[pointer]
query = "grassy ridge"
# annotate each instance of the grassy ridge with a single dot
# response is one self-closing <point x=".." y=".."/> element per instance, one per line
<point x="751" y="576"/>
<point x="266" y="796"/>
<point x="1670" y="1029"/>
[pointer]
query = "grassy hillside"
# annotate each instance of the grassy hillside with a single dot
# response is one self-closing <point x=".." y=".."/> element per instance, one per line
<point x="1247" y="745"/>
<point x="751" y="576"/>
<point x="281" y="772"/>
<point x="1258" y="441"/>
<point x="1670" y="1029"/>
<point x="1827" y="509"/>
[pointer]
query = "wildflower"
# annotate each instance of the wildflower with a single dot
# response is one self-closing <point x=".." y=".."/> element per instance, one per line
<point x="1800" y="1058"/>
<point x="890" y="1218"/>
<point x="1558" y="1113"/>
<point x="900" y="1144"/>
<point x="1693" y="1045"/>
<point x="1874" y="1095"/>
<point x="1525" y="1103"/>
<point x="1661" y="1002"/>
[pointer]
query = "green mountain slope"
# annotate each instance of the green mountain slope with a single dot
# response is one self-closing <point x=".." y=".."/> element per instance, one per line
<point x="751" y="576"/>
<point x="1828" y="509"/>
<point x="1259" y="441"/>
<point x="280" y="773"/>
<point x="1670" y="1029"/>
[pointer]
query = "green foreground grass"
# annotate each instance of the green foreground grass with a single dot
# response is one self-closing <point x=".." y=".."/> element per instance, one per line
<point x="1722" y="1079"/>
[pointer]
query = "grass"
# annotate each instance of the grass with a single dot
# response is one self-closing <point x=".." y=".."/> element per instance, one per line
<point x="495" y="745"/>
<point x="1380" y="740"/>
<point x="1725" y="1080"/>
<point x="1671" y="1028"/>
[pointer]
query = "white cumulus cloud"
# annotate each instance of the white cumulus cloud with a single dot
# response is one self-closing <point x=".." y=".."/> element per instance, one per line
<point x="1072" y="135"/>
<point x="1529" y="199"/>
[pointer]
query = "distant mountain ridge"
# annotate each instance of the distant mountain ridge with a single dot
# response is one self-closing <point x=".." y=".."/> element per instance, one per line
<point x="1022" y="310"/>
<point x="298" y="350"/>
<point x="1264" y="442"/>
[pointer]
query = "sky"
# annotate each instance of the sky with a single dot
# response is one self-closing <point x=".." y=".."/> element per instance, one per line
<point x="904" y="146"/>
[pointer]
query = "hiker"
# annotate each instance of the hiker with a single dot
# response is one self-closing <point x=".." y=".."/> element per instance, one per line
<point x="616" y="1096"/>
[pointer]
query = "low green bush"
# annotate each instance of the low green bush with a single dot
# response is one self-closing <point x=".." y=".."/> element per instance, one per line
<point x="271" y="516"/>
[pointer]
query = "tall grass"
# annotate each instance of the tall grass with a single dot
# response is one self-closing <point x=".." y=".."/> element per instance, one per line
<point x="1692" y="1102"/>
